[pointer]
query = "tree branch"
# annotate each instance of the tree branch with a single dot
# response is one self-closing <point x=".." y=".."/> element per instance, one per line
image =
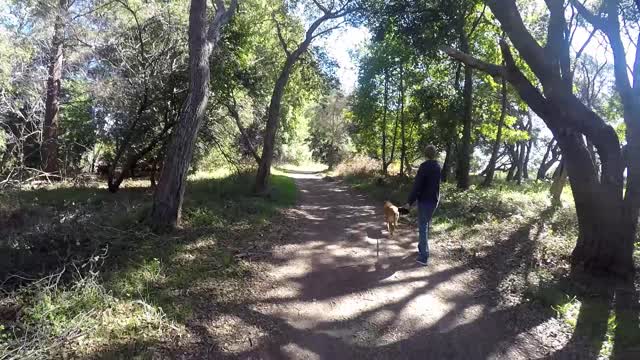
<point x="233" y="110"/>
<point x="491" y="69"/>
<point x="584" y="46"/>
<point x="326" y="31"/>
<point x="221" y="18"/>
<point x="283" y="42"/>
<point x="594" y="20"/>
<point x="477" y="22"/>
<point x="321" y="7"/>
<point x="506" y="11"/>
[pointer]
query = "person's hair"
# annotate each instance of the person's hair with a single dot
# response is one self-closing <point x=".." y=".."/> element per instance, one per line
<point x="431" y="152"/>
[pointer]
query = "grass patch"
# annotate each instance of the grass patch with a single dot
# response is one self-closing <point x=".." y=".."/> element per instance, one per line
<point x="107" y="283"/>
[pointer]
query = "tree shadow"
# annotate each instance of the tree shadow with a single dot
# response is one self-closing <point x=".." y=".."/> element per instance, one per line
<point x="608" y="321"/>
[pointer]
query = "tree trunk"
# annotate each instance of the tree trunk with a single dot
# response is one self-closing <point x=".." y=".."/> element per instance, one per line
<point x="491" y="168"/>
<point x="273" y="120"/>
<point x="525" y="163"/>
<point x="273" y="116"/>
<point x="448" y="158"/>
<point x="513" y="154"/>
<point x="521" y="156"/>
<point x="594" y="159"/>
<point x="385" y="165"/>
<point x="464" y="153"/>
<point x="403" y="146"/>
<point x="551" y="156"/>
<point x="52" y="105"/>
<point x="559" y="181"/>
<point x="168" y="197"/>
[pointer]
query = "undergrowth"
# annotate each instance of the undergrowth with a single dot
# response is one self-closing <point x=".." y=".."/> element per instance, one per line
<point x="83" y="276"/>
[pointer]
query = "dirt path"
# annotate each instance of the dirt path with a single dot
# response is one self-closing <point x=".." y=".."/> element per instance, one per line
<point x="344" y="290"/>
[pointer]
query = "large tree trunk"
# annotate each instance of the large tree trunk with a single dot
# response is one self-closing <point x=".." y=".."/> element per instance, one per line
<point x="169" y="194"/>
<point x="491" y="168"/>
<point x="52" y="104"/>
<point x="464" y="154"/>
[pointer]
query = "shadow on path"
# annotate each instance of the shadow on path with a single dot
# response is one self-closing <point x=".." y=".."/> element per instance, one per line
<point x="343" y="289"/>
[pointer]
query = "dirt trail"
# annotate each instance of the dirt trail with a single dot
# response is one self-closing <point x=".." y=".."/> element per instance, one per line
<point x="344" y="290"/>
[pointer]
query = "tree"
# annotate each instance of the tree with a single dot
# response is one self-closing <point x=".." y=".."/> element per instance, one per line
<point x="142" y="89"/>
<point x="203" y="39"/>
<point x="491" y="168"/>
<point x="52" y="106"/>
<point x="329" y="13"/>
<point x="551" y="156"/>
<point x="328" y="130"/>
<point x="607" y="210"/>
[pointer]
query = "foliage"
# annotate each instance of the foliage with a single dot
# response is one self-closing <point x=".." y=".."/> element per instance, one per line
<point x="328" y="130"/>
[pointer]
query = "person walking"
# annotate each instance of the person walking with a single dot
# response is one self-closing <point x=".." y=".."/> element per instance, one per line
<point x="426" y="191"/>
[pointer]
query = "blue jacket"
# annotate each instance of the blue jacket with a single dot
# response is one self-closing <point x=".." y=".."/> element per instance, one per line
<point x="426" y="186"/>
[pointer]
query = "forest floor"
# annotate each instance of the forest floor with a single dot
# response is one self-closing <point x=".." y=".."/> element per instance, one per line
<point x="306" y="274"/>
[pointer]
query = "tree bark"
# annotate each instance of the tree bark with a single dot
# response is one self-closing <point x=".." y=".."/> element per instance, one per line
<point x="52" y="103"/>
<point x="491" y="168"/>
<point x="169" y="194"/>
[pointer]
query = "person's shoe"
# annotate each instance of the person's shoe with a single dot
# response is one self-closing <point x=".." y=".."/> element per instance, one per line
<point x="422" y="261"/>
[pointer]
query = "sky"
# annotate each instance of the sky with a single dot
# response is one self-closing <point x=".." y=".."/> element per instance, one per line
<point x="338" y="45"/>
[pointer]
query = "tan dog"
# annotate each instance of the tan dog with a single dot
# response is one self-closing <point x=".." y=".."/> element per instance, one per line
<point x="391" y="216"/>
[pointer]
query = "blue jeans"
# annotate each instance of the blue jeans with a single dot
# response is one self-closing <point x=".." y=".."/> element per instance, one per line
<point x="425" y="212"/>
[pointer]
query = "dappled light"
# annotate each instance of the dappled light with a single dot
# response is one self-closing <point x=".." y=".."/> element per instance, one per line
<point x="319" y="179"/>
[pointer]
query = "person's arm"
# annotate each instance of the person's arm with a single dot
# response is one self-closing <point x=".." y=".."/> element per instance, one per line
<point x="417" y="186"/>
